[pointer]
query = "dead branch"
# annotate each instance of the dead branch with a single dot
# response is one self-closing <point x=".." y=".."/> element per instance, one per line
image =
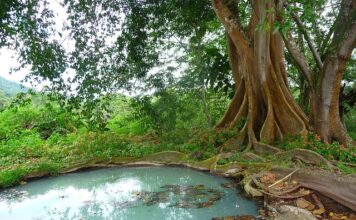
<point x="284" y="178"/>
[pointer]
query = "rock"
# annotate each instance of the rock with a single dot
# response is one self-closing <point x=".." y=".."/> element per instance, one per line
<point x="234" y="172"/>
<point x="228" y="170"/>
<point x="286" y="212"/>
<point x="154" y="198"/>
<point x="183" y="204"/>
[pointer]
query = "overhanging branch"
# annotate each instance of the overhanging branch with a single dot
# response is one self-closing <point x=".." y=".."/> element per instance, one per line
<point x="299" y="59"/>
<point x="308" y="39"/>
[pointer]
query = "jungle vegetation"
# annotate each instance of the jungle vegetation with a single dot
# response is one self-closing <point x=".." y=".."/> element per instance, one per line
<point x="142" y="76"/>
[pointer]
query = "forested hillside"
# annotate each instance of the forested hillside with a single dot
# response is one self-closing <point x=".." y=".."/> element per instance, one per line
<point x="10" y="88"/>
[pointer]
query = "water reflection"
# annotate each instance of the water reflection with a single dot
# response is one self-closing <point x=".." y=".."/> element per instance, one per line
<point x="130" y="193"/>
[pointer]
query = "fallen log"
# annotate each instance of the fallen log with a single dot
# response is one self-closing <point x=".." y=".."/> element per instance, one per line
<point x="339" y="187"/>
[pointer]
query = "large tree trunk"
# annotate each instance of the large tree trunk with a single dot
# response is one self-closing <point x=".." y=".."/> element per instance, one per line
<point x="325" y="85"/>
<point x="327" y="120"/>
<point x="262" y="97"/>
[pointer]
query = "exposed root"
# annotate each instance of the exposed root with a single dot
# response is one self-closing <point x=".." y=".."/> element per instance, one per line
<point x="341" y="188"/>
<point x="318" y="202"/>
<point x="265" y="148"/>
<point x="293" y="196"/>
<point x="308" y="157"/>
<point x="267" y="190"/>
<point x="249" y="189"/>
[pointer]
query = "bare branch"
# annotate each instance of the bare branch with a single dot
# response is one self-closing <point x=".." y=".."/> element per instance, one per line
<point x="295" y="52"/>
<point x="307" y="37"/>
<point x="299" y="59"/>
<point x="326" y="40"/>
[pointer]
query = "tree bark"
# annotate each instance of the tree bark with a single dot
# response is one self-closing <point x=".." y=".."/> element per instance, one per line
<point x="327" y="117"/>
<point x="325" y="85"/>
<point x="262" y="97"/>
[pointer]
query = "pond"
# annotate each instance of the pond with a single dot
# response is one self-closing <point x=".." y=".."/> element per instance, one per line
<point x="126" y="193"/>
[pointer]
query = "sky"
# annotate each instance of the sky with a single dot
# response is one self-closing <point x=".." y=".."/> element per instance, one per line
<point x="8" y="57"/>
<point x="8" y="61"/>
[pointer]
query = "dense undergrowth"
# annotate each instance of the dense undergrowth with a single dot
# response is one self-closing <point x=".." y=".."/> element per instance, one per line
<point x="37" y="137"/>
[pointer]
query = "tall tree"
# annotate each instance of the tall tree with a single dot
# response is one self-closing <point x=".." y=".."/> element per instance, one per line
<point x="257" y="62"/>
<point x="324" y="78"/>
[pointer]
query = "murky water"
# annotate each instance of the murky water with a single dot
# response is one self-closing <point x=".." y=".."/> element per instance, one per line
<point x="126" y="193"/>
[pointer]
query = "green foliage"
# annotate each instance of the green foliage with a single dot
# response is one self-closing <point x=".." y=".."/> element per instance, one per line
<point x="45" y="119"/>
<point x="130" y="45"/>
<point x="205" y="143"/>
<point x="208" y="66"/>
<point x="41" y="137"/>
<point x="312" y="142"/>
<point x="346" y="169"/>
<point x="223" y="161"/>
<point x="170" y="114"/>
<point x="114" y="45"/>
<point x="4" y="101"/>
<point x="103" y="145"/>
<point x="11" y="177"/>
<point x="50" y="167"/>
